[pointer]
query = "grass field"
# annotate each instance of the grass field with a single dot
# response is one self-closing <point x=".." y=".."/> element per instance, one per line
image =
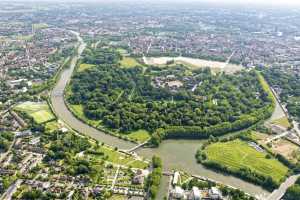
<point x="23" y="37"/>
<point x="238" y="154"/>
<point x="78" y="111"/>
<point x="140" y="135"/>
<point x="128" y="62"/>
<point x="40" y="112"/>
<point x="120" y="158"/>
<point x="122" y="51"/>
<point x="266" y="86"/>
<point x="52" y="126"/>
<point x="284" y="122"/>
<point x="84" y="66"/>
<point x="40" y="26"/>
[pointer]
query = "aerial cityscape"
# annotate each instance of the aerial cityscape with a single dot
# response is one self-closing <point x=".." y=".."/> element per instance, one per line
<point x="149" y="100"/>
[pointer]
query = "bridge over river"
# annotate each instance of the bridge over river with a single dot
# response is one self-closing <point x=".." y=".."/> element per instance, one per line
<point x="178" y="154"/>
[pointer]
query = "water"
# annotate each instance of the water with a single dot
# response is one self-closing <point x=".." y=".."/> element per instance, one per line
<point x="176" y="154"/>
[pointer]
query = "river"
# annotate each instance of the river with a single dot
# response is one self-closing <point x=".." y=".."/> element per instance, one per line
<point x="178" y="154"/>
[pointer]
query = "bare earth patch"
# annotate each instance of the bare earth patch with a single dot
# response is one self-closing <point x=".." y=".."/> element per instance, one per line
<point x="286" y="149"/>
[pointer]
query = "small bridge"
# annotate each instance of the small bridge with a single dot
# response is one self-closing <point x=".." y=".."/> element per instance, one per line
<point x="279" y="193"/>
<point x="137" y="147"/>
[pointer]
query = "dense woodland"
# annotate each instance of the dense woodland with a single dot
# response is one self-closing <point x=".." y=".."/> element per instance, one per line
<point x="288" y="82"/>
<point x="128" y="99"/>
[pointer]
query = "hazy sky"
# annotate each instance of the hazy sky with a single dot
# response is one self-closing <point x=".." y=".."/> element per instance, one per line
<point x="265" y="2"/>
<point x="284" y="2"/>
<point x="243" y="2"/>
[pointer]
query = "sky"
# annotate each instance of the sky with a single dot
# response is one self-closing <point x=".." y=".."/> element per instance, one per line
<point x="242" y="2"/>
<point x="271" y="2"/>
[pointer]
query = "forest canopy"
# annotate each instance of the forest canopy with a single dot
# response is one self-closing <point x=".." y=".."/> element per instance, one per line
<point x="180" y="101"/>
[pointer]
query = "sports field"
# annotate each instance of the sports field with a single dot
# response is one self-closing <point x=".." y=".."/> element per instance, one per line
<point x="238" y="154"/>
<point x="39" y="111"/>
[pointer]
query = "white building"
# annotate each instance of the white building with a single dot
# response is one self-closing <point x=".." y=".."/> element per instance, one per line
<point x="178" y="193"/>
<point x="176" y="178"/>
<point x="195" y="194"/>
<point x="214" y="193"/>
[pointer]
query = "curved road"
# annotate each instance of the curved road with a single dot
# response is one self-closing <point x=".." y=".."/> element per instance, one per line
<point x="177" y="154"/>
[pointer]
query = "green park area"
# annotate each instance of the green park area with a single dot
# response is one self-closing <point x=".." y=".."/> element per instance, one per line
<point x="117" y="157"/>
<point x="52" y="126"/>
<point x="40" y="112"/>
<point x="139" y="135"/>
<point x="237" y="154"/>
<point x="128" y="62"/>
<point x="77" y="110"/>
<point x="85" y="66"/>
<point x="40" y="26"/>
<point x="284" y="122"/>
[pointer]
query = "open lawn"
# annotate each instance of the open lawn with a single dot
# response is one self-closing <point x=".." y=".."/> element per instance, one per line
<point x="128" y="62"/>
<point x="78" y="111"/>
<point x="85" y="66"/>
<point x="139" y="136"/>
<point x="238" y="154"/>
<point x="40" y="112"/>
<point x="284" y="122"/>
<point x="52" y="126"/>
<point x="118" y="197"/>
<point x="40" y="26"/>
<point x="23" y="37"/>
<point x="119" y="158"/>
<point x="122" y="51"/>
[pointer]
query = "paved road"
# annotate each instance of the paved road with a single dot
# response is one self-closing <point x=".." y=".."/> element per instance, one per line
<point x="277" y="137"/>
<point x="11" y="190"/>
<point x="3" y="155"/>
<point x="278" y="194"/>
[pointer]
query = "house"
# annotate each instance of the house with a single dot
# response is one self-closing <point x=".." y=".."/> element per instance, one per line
<point x="176" y="178"/>
<point x="215" y="193"/>
<point x="177" y="193"/>
<point x="195" y="194"/>
<point x="139" y="176"/>
<point x="35" y="141"/>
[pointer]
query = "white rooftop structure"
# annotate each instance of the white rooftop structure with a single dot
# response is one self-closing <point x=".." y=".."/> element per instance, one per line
<point x="178" y="193"/>
<point x="215" y="193"/>
<point x="176" y="178"/>
<point x="196" y="195"/>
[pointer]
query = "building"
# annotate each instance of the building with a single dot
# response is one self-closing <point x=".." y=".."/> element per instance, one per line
<point x="177" y="193"/>
<point x="215" y="193"/>
<point x="176" y="178"/>
<point x="195" y="194"/>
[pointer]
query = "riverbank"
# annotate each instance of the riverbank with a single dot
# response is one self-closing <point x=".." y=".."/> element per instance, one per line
<point x="174" y="153"/>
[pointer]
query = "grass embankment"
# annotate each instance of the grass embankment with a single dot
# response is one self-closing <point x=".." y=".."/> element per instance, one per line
<point x="40" y="112"/>
<point x="266" y="88"/>
<point x="78" y="111"/>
